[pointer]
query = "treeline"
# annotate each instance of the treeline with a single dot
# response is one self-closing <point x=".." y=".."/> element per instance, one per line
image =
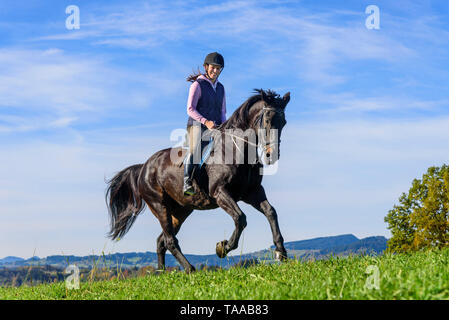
<point x="35" y="275"/>
<point x="30" y="275"/>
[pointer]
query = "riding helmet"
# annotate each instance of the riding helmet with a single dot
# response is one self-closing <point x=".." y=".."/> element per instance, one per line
<point x="214" y="58"/>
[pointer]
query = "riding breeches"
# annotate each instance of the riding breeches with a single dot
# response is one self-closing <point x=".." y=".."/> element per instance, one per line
<point x="194" y="134"/>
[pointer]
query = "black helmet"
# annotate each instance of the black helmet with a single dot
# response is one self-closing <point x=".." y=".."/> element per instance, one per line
<point x="214" y="58"/>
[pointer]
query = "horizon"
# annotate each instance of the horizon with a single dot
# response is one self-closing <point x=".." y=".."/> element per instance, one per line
<point x="368" y="112"/>
<point x="233" y="254"/>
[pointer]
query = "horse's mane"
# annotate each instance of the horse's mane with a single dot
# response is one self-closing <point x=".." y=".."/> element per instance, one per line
<point x="240" y="117"/>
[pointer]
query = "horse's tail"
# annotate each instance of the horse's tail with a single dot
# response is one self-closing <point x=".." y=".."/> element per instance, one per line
<point x="125" y="202"/>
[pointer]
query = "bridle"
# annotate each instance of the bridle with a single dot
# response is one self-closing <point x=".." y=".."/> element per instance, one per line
<point x="264" y="147"/>
<point x="260" y="120"/>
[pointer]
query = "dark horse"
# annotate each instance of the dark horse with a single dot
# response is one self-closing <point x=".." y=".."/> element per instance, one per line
<point x="159" y="182"/>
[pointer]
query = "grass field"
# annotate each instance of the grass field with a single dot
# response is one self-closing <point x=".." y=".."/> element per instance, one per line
<point x="421" y="275"/>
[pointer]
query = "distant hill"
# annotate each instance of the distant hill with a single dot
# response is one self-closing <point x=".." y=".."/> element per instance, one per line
<point x="320" y="243"/>
<point x="317" y="248"/>
<point x="342" y="245"/>
<point x="11" y="259"/>
<point x="370" y="245"/>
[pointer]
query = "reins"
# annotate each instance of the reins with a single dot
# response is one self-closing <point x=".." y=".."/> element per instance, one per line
<point x="264" y="147"/>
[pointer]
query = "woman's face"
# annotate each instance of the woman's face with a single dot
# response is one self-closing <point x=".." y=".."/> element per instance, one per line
<point x="213" y="71"/>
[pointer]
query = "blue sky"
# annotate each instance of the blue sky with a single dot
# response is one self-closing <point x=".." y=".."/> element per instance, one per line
<point x="369" y="112"/>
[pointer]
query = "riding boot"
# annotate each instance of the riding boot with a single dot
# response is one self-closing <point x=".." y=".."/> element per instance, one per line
<point x="188" y="169"/>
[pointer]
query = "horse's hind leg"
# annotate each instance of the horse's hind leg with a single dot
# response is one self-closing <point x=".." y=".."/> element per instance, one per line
<point x="162" y="213"/>
<point x="171" y="242"/>
<point x="177" y="219"/>
<point x="161" y="250"/>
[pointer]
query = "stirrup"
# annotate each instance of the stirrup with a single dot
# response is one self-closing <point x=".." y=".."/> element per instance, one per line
<point x="188" y="188"/>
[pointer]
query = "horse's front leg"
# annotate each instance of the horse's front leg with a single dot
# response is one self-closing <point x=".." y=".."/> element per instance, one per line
<point x="258" y="200"/>
<point x="225" y="201"/>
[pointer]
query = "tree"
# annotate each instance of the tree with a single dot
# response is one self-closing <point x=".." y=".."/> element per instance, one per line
<point x="421" y="219"/>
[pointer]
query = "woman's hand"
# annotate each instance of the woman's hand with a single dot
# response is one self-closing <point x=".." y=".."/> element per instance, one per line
<point x="209" y="124"/>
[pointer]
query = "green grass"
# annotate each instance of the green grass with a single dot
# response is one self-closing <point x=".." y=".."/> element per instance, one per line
<point x="421" y="275"/>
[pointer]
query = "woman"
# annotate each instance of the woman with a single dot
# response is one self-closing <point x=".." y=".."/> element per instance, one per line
<point x="206" y="107"/>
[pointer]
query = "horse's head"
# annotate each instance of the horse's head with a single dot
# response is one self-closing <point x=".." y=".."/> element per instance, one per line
<point x="270" y="120"/>
<point x="264" y="114"/>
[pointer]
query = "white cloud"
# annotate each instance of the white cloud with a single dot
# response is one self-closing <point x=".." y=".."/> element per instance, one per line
<point x="349" y="103"/>
<point x="314" y="44"/>
<point x="53" y="80"/>
<point x="53" y="89"/>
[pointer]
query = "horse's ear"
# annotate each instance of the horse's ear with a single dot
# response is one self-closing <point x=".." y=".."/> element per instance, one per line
<point x="263" y="95"/>
<point x="286" y="98"/>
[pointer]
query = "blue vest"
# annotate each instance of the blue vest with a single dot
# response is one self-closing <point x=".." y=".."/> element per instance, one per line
<point x="210" y="103"/>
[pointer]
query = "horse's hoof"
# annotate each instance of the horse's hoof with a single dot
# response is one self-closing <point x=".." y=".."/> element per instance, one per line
<point x="220" y="249"/>
<point x="190" y="269"/>
<point x="279" y="256"/>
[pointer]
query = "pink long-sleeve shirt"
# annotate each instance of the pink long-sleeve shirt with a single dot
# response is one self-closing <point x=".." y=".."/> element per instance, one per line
<point x="195" y="95"/>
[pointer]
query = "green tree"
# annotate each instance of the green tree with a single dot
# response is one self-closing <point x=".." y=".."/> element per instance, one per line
<point x="421" y="220"/>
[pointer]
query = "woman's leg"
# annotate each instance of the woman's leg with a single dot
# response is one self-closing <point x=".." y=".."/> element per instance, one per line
<point x="193" y="158"/>
<point x="194" y="133"/>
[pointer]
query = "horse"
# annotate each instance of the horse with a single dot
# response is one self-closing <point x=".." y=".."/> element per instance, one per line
<point x="158" y="183"/>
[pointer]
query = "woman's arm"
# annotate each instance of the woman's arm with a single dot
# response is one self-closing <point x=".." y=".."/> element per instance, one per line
<point x="192" y="101"/>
